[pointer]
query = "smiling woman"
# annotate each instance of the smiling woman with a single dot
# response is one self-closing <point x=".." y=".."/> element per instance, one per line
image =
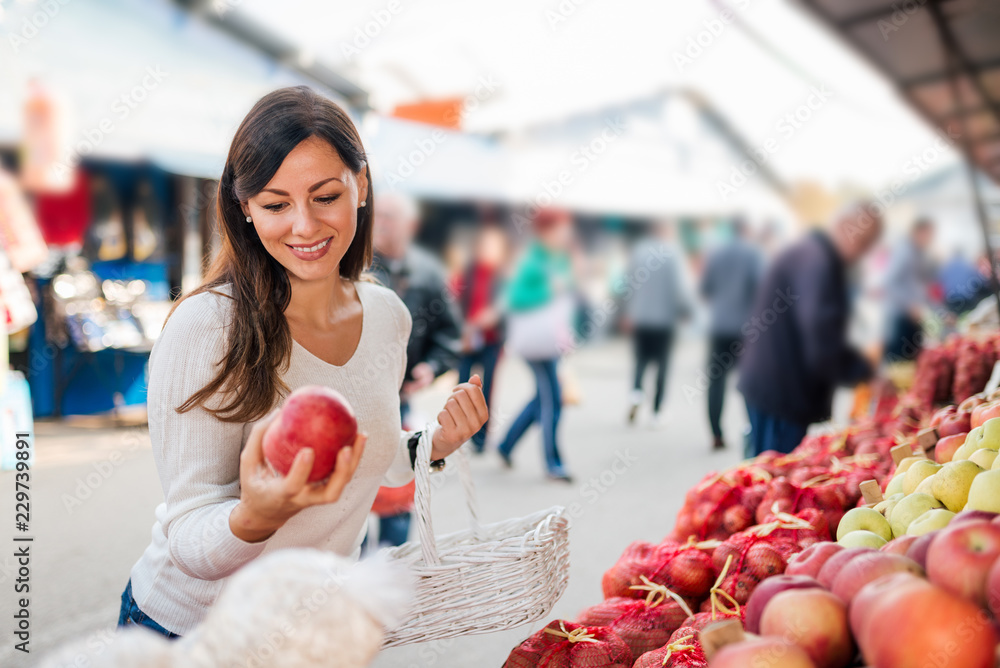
<point x="283" y="306"/>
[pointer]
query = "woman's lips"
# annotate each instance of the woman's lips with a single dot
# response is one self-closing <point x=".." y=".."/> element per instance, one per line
<point x="313" y="252"/>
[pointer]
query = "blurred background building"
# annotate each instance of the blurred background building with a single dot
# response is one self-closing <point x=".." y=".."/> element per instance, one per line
<point x="115" y="117"/>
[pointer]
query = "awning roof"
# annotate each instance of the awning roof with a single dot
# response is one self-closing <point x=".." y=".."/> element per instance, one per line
<point x="943" y="55"/>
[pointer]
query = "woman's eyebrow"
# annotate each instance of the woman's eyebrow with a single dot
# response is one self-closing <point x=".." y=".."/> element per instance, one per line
<point x="312" y="188"/>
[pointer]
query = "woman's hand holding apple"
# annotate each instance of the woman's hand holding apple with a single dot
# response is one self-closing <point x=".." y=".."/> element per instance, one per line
<point x="464" y="413"/>
<point x="268" y="500"/>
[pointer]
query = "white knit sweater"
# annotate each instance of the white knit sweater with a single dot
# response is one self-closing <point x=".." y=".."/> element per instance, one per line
<point x="197" y="456"/>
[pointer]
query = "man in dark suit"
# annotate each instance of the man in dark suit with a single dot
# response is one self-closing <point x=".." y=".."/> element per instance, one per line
<point x="796" y="339"/>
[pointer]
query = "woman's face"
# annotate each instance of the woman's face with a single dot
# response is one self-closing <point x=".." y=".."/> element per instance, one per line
<point x="306" y="215"/>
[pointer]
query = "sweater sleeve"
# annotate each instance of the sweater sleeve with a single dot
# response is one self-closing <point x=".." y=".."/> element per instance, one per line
<point x="197" y="455"/>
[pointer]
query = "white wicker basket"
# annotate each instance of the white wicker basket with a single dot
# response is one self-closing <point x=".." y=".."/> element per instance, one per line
<point x="486" y="578"/>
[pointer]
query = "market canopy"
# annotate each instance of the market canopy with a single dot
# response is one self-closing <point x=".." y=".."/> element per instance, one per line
<point x="943" y="55"/>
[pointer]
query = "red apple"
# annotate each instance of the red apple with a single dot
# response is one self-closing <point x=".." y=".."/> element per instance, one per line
<point x="984" y="412"/>
<point x="867" y="567"/>
<point x="903" y="620"/>
<point x="810" y="560"/>
<point x="816" y="621"/>
<point x="955" y="424"/>
<point x="969" y="403"/>
<point x="898" y="545"/>
<point x="960" y="558"/>
<point x="836" y="563"/>
<point x="766" y="590"/>
<point x="312" y="417"/>
<point x="918" y="548"/>
<point x="770" y="652"/>
<point x="946" y="447"/>
<point x="993" y="589"/>
<point x="967" y="515"/>
<point x="941" y="414"/>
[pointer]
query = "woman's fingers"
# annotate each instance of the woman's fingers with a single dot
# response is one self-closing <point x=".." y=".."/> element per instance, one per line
<point x="253" y="451"/>
<point x="470" y="415"/>
<point x="446" y="421"/>
<point x="298" y="475"/>
<point x="341" y="475"/>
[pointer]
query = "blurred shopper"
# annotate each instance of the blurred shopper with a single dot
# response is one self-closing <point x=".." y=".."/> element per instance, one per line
<point x="540" y="303"/>
<point x="728" y="284"/>
<point x="478" y="291"/>
<point x="419" y="280"/>
<point x="659" y="301"/>
<point x="796" y="339"/>
<point x="963" y="284"/>
<point x="907" y="293"/>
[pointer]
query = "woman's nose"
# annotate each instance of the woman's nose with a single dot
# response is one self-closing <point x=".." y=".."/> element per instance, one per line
<point x="305" y="224"/>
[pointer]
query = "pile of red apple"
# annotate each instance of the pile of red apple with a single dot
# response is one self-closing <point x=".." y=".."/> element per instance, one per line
<point x="931" y="600"/>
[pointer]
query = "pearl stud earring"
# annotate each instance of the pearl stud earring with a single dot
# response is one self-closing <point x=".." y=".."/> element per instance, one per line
<point x="249" y="219"/>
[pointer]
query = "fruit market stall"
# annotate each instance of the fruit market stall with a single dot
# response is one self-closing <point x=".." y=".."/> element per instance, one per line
<point x="873" y="545"/>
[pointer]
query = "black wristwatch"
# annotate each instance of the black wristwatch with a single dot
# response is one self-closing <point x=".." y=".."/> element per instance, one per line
<point x="436" y="464"/>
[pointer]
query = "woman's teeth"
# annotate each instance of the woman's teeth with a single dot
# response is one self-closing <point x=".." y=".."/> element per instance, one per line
<point x="312" y="249"/>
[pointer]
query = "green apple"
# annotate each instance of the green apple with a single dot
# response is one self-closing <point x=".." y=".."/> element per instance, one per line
<point x="886" y="505"/>
<point x="867" y="519"/>
<point x="861" y="538"/>
<point x="984" y="457"/>
<point x="917" y="473"/>
<point x="926" y="485"/>
<point x="991" y="434"/>
<point x="984" y="494"/>
<point x="895" y="485"/>
<point x="996" y="464"/>
<point x="906" y="462"/>
<point x="932" y="520"/>
<point x="951" y="484"/>
<point x="909" y="509"/>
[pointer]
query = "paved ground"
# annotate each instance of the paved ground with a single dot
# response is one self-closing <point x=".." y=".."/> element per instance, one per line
<point x="95" y="488"/>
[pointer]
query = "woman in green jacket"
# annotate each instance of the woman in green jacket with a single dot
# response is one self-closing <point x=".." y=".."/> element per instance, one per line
<point x="541" y="292"/>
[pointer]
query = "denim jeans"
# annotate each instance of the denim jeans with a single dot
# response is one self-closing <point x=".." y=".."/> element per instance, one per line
<point x="486" y="358"/>
<point x="545" y="409"/>
<point x="770" y="432"/>
<point x="131" y="614"/>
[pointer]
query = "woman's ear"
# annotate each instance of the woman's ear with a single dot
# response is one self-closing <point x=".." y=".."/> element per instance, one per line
<point x="245" y="208"/>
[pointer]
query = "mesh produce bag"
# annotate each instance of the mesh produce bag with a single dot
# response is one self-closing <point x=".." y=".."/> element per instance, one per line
<point x="973" y="365"/>
<point x="680" y="652"/>
<point x="722" y="503"/>
<point x="564" y="644"/>
<point x="747" y="558"/>
<point x="644" y="624"/>
<point x="685" y="569"/>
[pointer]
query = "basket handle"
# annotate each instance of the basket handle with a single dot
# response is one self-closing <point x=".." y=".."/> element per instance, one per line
<point x="422" y="496"/>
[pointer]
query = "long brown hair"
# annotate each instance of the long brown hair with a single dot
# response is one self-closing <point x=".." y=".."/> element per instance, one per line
<point x="259" y="339"/>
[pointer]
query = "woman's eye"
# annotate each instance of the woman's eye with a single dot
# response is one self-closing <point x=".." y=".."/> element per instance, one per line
<point x="327" y="199"/>
<point x="275" y="207"/>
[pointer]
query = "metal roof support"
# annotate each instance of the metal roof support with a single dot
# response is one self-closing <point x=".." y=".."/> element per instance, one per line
<point x="956" y="64"/>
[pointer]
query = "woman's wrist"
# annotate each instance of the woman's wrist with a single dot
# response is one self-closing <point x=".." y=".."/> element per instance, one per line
<point x="248" y="528"/>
